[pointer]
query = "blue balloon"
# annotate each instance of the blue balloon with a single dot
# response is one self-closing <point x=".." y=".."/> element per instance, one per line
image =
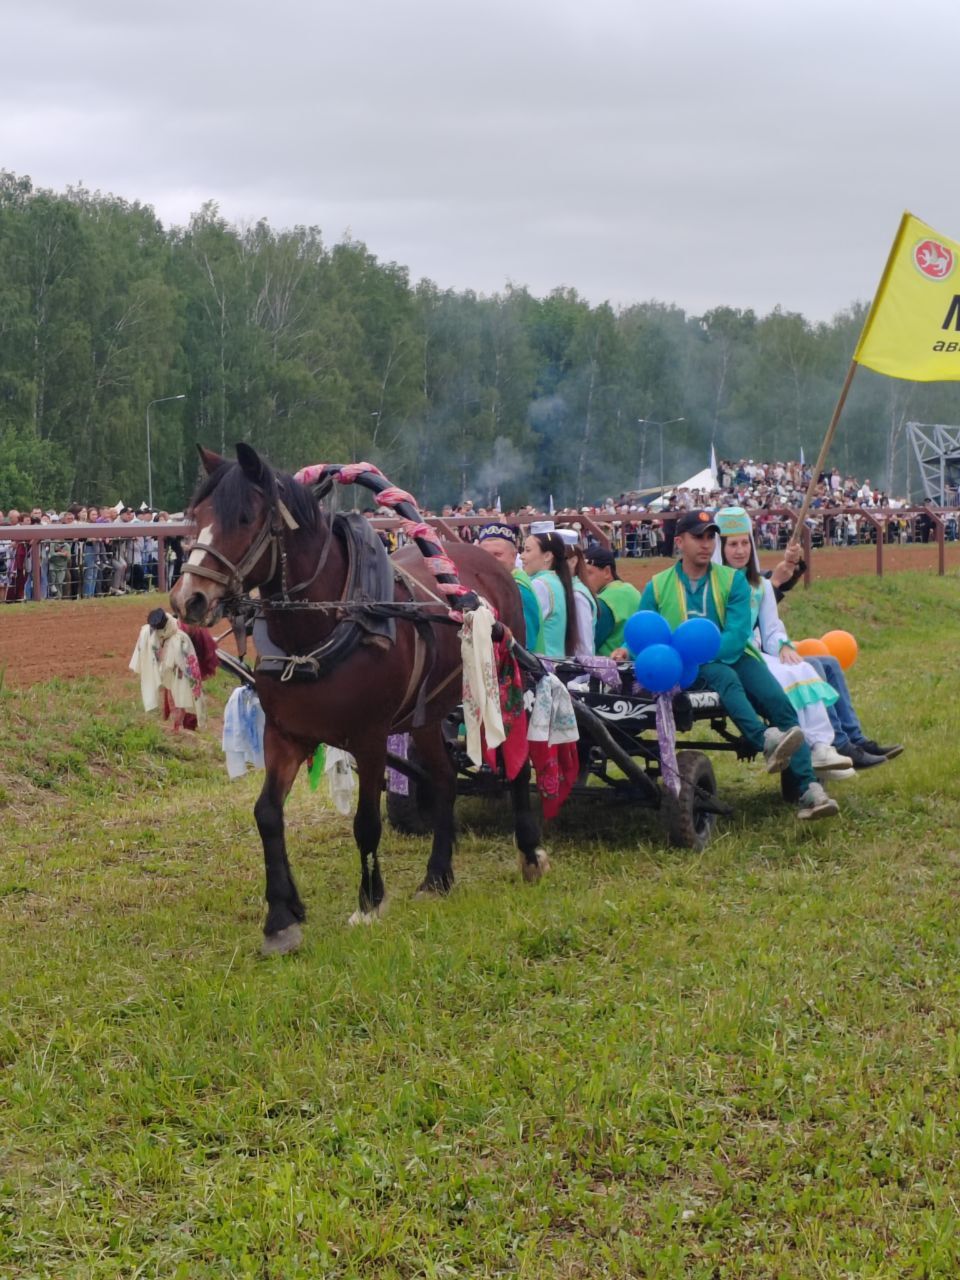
<point x="697" y="640"/>
<point x="658" y="667"/>
<point x="645" y="628"/>
<point x="689" y="673"/>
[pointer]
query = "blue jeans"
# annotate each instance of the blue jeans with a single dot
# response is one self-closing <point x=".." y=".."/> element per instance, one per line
<point x="846" y="726"/>
<point x="91" y="569"/>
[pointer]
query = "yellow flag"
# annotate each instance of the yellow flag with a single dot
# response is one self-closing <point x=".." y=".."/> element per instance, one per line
<point x="913" y="328"/>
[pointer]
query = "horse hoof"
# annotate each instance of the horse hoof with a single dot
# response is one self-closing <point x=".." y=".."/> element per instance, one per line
<point x="367" y="917"/>
<point x="283" y="942"/>
<point x="533" y="872"/>
<point x="433" y="889"/>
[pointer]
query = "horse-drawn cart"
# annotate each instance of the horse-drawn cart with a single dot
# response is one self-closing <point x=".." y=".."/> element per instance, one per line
<point x="354" y="647"/>
<point x="619" y="759"/>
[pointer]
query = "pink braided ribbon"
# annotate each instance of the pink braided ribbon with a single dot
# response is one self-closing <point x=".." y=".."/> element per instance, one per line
<point x="415" y="531"/>
<point x="442" y="564"/>
<point x="393" y="496"/>
<point x="349" y="473"/>
<point x="310" y="475"/>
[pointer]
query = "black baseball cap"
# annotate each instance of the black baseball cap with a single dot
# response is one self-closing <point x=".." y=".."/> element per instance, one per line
<point x="601" y="558"/>
<point x="698" y="523"/>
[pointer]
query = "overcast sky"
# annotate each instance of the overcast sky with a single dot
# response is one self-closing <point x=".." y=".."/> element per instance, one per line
<point x="741" y="152"/>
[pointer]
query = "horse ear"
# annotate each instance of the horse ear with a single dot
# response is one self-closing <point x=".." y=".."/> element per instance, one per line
<point x="209" y="459"/>
<point x="250" y="462"/>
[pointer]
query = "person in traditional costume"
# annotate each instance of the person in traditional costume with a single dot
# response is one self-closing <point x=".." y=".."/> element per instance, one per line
<point x="502" y="541"/>
<point x="544" y="559"/>
<point x="849" y="737"/>
<point x="696" y="586"/>
<point x="809" y="693"/>
<point x="584" y="603"/>
<point x="616" y="600"/>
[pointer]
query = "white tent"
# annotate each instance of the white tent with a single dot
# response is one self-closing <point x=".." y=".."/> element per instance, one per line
<point x="705" y="479"/>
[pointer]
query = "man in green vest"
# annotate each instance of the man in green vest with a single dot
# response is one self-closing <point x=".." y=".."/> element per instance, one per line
<point x="616" y="600"/>
<point x="502" y="541"/>
<point x="696" y="587"/>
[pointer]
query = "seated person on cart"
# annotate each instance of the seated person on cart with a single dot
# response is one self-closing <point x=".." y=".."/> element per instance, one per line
<point x="502" y="541"/>
<point x="695" y="587"/>
<point x="616" y="600"/>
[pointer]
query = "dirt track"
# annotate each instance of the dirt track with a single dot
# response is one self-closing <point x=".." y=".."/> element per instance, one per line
<point x="73" y="638"/>
<point x="96" y="637"/>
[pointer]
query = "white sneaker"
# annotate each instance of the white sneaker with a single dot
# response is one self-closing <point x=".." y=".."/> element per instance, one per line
<point x="839" y="775"/>
<point x="826" y="757"/>
<point x="815" y="803"/>
<point x="779" y="746"/>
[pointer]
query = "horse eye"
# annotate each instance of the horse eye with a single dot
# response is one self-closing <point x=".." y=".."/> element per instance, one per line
<point x="244" y="519"/>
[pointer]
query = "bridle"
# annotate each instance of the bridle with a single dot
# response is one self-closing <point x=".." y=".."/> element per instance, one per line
<point x="270" y="536"/>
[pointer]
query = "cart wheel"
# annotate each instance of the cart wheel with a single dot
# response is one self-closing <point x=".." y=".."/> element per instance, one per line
<point x="411" y="814"/>
<point x="688" y="825"/>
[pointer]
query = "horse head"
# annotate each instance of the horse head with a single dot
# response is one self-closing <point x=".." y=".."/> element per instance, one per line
<point x="241" y="520"/>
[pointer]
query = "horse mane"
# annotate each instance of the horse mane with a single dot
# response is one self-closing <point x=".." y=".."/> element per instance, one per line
<point x="232" y="492"/>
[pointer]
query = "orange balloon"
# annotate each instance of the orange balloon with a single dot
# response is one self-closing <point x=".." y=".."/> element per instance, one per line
<point x="843" y="647"/>
<point x="812" y="648"/>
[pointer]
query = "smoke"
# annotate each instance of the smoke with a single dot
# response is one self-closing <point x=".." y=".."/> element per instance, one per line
<point x="547" y="414"/>
<point x="506" y="467"/>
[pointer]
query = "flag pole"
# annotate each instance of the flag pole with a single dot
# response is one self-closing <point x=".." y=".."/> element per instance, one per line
<point x="822" y="456"/>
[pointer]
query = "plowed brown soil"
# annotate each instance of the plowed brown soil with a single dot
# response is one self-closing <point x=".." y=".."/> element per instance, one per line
<point x="97" y="637"/>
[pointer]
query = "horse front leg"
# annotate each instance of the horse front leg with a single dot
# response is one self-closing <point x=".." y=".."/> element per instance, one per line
<point x="534" y="862"/>
<point x="371" y="758"/>
<point x="432" y="753"/>
<point x="285" y="911"/>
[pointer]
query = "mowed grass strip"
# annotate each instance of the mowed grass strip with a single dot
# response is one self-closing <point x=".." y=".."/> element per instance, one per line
<point x="739" y="1064"/>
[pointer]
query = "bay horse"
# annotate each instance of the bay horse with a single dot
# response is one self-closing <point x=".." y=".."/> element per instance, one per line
<point x="258" y="528"/>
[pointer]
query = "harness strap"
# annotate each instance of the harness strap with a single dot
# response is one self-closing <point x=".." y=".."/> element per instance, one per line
<point x="233" y="578"/>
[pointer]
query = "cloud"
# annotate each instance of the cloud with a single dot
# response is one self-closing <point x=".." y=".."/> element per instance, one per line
<point x="748" y="154"/>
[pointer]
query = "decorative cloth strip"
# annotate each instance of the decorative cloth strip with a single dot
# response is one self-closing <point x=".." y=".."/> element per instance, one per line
<point x="242" y="737"/>
<point x="515" y="749"/>
<point x="667" y="740"/>
<point x="552" y="719"/>
<point x="398" y="744"/>
<point x="482" y="716"/>
<point x="604" y="669"/>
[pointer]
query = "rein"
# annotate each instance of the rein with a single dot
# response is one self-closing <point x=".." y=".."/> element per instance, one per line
<point x="320" y="477"/>
<point x="353" y="609"/>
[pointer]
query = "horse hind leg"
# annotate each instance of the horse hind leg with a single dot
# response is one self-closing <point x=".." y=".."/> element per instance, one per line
<point x="533" y="860"/>
<point x="432" y="753"/>
<point x="367" y="828"/>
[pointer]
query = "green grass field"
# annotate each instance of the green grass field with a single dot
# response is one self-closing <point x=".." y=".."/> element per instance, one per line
<point x="739" y="1064"/>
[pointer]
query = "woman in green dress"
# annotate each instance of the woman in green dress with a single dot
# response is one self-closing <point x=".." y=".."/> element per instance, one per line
<point x="545" y="562"/>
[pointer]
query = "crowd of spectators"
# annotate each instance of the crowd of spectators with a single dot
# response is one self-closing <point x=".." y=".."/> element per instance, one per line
<point x="637" y="524"/>
<point x="80" y="562"/>
<point x="640" y="524"/>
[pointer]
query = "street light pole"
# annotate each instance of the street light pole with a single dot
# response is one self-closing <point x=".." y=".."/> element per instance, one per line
<point x="161" y="400"/>
<point x="649" y="422"/>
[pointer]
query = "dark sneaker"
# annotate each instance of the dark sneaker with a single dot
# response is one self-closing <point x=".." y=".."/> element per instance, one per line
<point x="779" y="746"/>
<point x="815" y="803"/>
<point x="889" y="753"/>
<point x="863" y="759"/>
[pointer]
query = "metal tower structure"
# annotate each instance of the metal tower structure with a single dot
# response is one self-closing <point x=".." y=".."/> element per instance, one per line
<point x="937" y="451"/>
